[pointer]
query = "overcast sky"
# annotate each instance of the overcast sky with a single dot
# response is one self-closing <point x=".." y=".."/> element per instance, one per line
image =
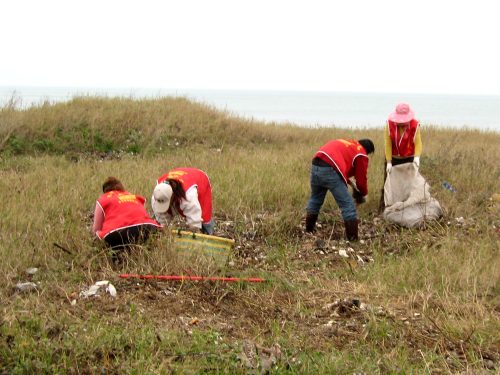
<point x="421" y="46"/>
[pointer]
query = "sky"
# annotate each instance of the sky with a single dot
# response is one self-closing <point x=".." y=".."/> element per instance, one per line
<point x="418" y="46"/>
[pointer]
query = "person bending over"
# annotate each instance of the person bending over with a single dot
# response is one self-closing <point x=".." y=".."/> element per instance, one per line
<point x="188" y="193"/>
<point x="332" y="167"/>
<point x="120" y="218"/>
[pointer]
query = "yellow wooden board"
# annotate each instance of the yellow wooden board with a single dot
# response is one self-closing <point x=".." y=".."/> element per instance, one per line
<point x="216" y="248"/>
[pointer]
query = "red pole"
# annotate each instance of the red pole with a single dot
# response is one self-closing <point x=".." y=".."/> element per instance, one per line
<point x="192" y="278"/>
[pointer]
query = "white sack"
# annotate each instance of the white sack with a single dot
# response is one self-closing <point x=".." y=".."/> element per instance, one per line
<point x="407" y="197"/>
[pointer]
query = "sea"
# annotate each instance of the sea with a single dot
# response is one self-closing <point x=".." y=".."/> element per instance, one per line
<point x="302" y="108"/>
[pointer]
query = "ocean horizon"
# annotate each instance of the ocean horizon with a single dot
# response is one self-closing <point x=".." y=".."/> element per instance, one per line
<point x="302" y="108"/>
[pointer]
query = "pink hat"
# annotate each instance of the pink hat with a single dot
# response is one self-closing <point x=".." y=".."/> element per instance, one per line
<point x="402" y="114"/>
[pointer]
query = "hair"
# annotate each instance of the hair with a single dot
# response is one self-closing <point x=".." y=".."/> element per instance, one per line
<point x="112" y="183"/>
<point x="367" y="145"/>
<point x="177" y="189"/>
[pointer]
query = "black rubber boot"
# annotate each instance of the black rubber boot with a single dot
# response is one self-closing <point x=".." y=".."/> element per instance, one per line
<point x="351" y="229"/>
<point x="311" y="222"/>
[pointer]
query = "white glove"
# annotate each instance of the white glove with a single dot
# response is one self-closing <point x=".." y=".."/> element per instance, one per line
<point x="388" y="168"/>
<point x="416" y="160"/>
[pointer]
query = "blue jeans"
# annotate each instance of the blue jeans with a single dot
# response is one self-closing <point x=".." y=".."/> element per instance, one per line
<point x="208" y="228"/>
<point x="324" y="179"/>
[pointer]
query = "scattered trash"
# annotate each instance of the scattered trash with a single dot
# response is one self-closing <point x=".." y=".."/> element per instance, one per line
<point x="447" y="186"/>
<point x="94" y="289"/>
<point x="194" y="321"/>
<point x="31" y="271"/>
<point x="360" y="260"/>
<point x="255" y="356"/>
<point x="26" y="287"/>
<point x="343" y="253"/>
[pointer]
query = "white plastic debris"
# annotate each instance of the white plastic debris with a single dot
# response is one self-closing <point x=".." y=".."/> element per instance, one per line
<point x="343" y="253"/>
<point x="111" y="290"/>
<point x="26" y="287"/>
<point x="360" y="260"/>
<point x="94" y="289"/>
<point x="31" y="271"/>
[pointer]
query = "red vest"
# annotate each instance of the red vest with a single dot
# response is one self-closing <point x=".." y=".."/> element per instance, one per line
<point x="122" y="210"/>
<point x="403" y="145"/>
<point x="189" y="177"/>
<point x="340" y="154"/>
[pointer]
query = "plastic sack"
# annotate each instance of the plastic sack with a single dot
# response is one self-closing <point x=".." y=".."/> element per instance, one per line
<point x="408" y="199"/>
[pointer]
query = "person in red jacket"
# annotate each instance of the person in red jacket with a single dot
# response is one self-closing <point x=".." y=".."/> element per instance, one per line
<point x="332" y="167"/>
<point x="187" y="192"/>
<point x="402" y="140"/>
<point x="120" y="218"/>
<point x="403" y="143"/>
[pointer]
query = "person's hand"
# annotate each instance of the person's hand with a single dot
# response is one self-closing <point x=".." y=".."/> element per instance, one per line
<point x="416" y="160"/>
<point x="358" y="197"/>
<point x="388" y="167"/>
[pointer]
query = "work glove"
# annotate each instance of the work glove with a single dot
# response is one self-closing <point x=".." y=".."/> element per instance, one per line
<point x="416" y="160"/>
<point x="388" y="167"/>
<point x="358" y="197"/>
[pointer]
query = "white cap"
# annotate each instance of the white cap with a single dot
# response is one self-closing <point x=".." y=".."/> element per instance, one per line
<point x="162" y="194"/>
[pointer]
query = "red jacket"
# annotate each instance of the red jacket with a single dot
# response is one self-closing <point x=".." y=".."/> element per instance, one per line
<point x="403" y="145"/>
<point x="122" y="210"/>
<point x="189" y="177"/>
<point x="349" y="158"/>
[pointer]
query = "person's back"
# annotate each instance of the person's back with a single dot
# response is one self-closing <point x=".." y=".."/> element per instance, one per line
<point x="188" y="192"/>
<point x="121" y="210"/>
<point x="332" y="166"/>
<point x="120" y="217"/>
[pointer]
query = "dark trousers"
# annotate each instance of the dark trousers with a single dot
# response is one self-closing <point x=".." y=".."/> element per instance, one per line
<point x="129" y="236"/>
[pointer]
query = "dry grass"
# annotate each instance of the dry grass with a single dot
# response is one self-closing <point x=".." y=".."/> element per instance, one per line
<point x="430" y="297"/>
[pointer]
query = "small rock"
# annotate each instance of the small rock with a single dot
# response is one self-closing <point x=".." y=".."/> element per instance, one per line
<point x="489" y="364"/>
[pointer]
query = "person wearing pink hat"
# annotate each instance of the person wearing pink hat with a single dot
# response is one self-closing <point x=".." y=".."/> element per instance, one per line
<point x="402" y="137"/>
<point x="402" y="141"/>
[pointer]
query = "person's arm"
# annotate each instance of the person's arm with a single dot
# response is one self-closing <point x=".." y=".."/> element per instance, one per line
<point x="388" y="144"/>
<point x="418" y="143"/>
<point x="191" y="208"/>
<point x="98" y="218"/>
<point x="360" y="173"/>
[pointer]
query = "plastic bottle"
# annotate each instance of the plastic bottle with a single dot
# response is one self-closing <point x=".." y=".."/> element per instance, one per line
<point x="447" y="186"/>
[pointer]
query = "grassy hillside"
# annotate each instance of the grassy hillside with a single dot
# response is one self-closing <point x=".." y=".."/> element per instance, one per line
<point x="405" y="301"/>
